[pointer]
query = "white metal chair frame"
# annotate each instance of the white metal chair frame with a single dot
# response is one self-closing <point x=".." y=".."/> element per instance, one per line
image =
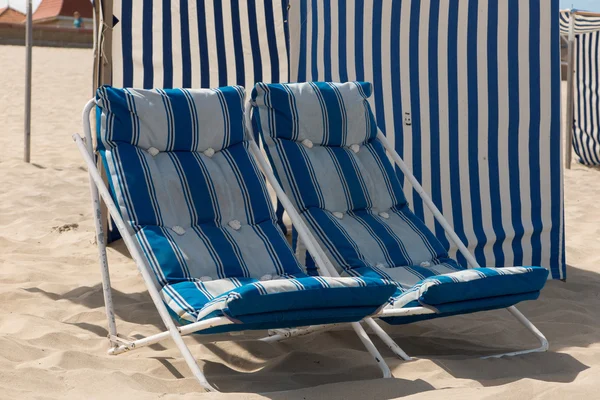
<point x="325" y="265"/>
<point x="120" y="344"/>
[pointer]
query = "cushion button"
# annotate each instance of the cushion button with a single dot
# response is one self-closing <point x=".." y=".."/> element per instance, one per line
<point x="235" y="224"/>
<point x="384" y="215"/>
<point x="205" y="278"/>
<point x="209" y="152"/>
<point x="266" y="277"/>
<point x="307" y="143"/>
<point x="178" y="230"/>
<point x="355" y="148"/>
<point x="425" y="264"/>
<point x="380" y="265"/>
<point x="338" y="214"/>
<point x="153" y="151"/>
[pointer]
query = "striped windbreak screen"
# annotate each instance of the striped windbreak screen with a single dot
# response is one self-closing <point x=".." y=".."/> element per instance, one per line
<point x="468" y="92"/>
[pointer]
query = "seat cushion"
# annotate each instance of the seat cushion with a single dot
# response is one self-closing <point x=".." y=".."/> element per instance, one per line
<point x="440" y="292"/>
<point x="290" y="298"/>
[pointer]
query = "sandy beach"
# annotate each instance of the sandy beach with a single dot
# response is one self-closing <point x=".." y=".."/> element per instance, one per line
<point x="53" y="327"/>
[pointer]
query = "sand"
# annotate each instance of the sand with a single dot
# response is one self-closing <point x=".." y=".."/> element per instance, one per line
<point x="53" y="330"/>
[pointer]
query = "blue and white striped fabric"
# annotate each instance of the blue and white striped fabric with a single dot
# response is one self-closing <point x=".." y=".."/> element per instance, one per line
<point x="181" y="174"/>
<point x="321" y="140"/>
<point x="582" y="23"/>
<point x="586" y="104"/>
<point x="468" y="92"/>
<point x="477" y="78"/>
<point x="198" y="44"/>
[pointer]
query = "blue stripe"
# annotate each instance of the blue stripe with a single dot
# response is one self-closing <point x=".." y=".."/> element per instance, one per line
<point x="203" y="45"/>
<point x="334" y="114"/>
<point x="186" y="57"/>
<point x="127" y="42"/>
<point x="205" y="209"/>
<point x="237" y="39"/>
<point x="302" y="43"/>
<point x="396" y="84"/>
<point x="534" y="134"/>
<point x="314" y="40"/>
<point x="514" y="115"/>
<point x="327" y="40"/>
<point x="291" y="155"/>
<point x="147" y="44"/>
<point x="166" y="43"/>
<point x="220" y="43"/>
<point x="493" y="137"/>
<point x="358" y="40"/>
<point x="254" y="43"/>
<point x="415" y="103"/>
<point x="557" y="239"/>
<point x="286" y="31"/>
<point x="342" y="65"/>
<point x="182" y="139"/>
<point x="376" y="57"/>
<point x="272" y="40"/>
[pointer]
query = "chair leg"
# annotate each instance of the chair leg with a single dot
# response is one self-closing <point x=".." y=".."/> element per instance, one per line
<point x="387" y="339"/>
<point x="531" y="328"/>
<point x="101" y="243"/>
<point x="364" y="338"/>
<point x="191" y="361"/>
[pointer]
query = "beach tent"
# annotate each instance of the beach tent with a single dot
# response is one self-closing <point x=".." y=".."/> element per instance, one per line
<point x="479" y="79"/>
<point x="582" y="125"/>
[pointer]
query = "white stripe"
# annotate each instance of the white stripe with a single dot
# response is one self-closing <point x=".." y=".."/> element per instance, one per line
<point x="211" y="35"/>
<point x="176" y="45"/>
<point x="463" y="125"/>
<point x="442" y="88"/>
<point x="483" y="138"/>
<point x="503" y="159"/>
<point x="424" y="106"/>
<point x="406" y="106"/>
<point x="194" y="45"/>
<point x="546" y="47"/>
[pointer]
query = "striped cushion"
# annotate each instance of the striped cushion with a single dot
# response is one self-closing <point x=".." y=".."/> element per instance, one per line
<point x="183" y="178"/>
<point x="240" y="299"/>
<point x="181" y="173"/>
<point x="348" y="193"/>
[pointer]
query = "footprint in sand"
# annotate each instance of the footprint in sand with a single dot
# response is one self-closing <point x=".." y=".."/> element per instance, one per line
<point x="65" y="228"/>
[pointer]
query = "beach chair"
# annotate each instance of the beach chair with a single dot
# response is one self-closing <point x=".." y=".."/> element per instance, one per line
<point x="330" y="159"/>
<point x="192" y="208"/>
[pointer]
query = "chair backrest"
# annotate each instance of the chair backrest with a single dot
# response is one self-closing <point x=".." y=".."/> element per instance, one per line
<point x="321" y="140"/>
<point x="180" y="171"/>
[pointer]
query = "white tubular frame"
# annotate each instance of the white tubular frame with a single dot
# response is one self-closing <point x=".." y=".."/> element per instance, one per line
<point x="324" y="264"/>
<point x="120" y="344"/>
